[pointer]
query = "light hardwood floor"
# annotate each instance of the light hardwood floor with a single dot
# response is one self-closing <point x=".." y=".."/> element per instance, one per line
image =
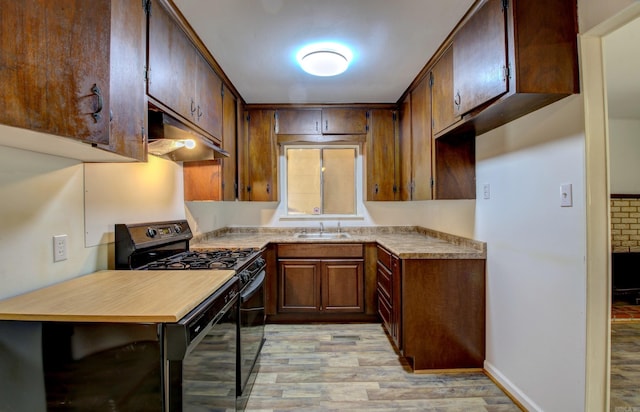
<point x="625" y="366"/>
<point x="353" y="367"/>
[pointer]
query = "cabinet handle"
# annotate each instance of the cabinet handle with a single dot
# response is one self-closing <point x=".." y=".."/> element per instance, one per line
<point x="96" y="91"/>
<point x="326" y="125"/>
<point x="193" y="107"/>
<point x="268" y="188"/>
<point x="376" y="188"/>
<point x="316" y="126"/>
<point x="457" y="100"/>
<point x="199" y="112"/>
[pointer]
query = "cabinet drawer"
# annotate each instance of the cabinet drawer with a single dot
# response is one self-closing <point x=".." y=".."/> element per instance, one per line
<point x="384" y="257"/>
<point x="384" y="282"/>
<point x="385" y="313"/>
<point x="320" y="250"/>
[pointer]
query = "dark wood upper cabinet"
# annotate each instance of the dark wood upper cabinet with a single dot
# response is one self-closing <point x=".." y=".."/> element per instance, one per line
<point x="442" y="100"/>
<point x="511" y="58"/>
<point x="229" y="136"/>
<point x="259" y="157"/>
<point x="172" y="64"/>
<point x="75" y="69"/>
<point x="180" y="80"/>
<point x="315" y="121"/>
<point x="480" y="58"/>
<point x="344" y="121"/>
<point x="128" y="106"/>
<point x="421" y="141"/>
<point x="208" y="96"/>
<point x="299" y="121"/>
<point x="382" y="174"/>
<point x="54" y="67"/>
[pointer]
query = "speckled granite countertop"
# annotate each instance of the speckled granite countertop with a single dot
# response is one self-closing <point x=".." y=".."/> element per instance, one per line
<point x="406" y="242"/>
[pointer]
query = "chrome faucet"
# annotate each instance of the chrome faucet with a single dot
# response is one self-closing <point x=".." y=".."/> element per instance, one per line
<point x="339" y="228"/>
<point x="321" y="227"/>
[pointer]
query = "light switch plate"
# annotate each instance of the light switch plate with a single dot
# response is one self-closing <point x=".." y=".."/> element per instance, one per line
<point x="486" y="191"/>
<point x="566" y="195"/>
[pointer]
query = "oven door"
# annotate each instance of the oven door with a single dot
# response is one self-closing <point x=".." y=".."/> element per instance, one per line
<point x="252" y="318"/>
<point x="204" y="377"/>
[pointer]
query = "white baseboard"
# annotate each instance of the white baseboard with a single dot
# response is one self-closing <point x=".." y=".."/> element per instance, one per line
<point x="512" y="390"/>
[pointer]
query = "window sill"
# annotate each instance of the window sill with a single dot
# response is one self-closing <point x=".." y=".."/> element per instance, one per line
<point x="321" y="217"/>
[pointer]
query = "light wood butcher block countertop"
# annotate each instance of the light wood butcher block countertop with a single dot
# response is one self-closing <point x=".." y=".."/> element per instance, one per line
<point x="128" y="296"/>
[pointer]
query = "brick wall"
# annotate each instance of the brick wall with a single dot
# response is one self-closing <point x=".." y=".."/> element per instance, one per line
<point x="625" y="224"/>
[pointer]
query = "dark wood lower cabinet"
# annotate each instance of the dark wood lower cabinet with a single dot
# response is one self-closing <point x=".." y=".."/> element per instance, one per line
<point x="321" y="286"/>
<point x="434" y="310"/>
<point x="321" y="282"/>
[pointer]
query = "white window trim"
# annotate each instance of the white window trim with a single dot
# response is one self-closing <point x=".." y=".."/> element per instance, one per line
<point x="282" y="207"/>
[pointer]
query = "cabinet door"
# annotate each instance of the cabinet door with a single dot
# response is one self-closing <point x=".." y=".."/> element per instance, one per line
<point x="294" y="121"/>
<point x="381" y="156"/>
<point x="404" y="141"/>
<point x="421" y="141"/>
<point x="54" y="67"/>
<point x="442" y="100"/>
<point x="208" y="99"/>
<point x="229" y="136"/>
<point x="396" y="301"/>
<point x="262" y="156"/>
<point x="172" y="64"/>
<point x="480" y="58"/>
<point x="342" y="286"/>
<point x="344" y="121"/>
<point x="128" y="59"/>
<point x="299" y="284"/>
<point x="202" y="180"/>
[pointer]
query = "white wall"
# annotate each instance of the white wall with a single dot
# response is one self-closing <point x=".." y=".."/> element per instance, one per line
<point x="624" y="151"/>
<point x="43" y="196"/>
<point x="536" y="279"/>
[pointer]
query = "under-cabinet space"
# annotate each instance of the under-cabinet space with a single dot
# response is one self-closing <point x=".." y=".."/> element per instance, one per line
<point x="454" y="167"/>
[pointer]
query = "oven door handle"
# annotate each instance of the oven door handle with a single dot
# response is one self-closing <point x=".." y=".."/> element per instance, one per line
<point x="253" y="287"/>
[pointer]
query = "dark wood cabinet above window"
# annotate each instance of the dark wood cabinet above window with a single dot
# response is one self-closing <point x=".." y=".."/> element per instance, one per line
<point x="315" y="121"/>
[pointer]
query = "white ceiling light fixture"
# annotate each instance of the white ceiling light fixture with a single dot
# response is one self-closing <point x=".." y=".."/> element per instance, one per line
<point x="324" y="59"/>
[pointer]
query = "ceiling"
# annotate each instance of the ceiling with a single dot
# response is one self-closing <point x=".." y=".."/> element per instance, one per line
<point x="622" y="68"/>
<point x="255" y="43"/>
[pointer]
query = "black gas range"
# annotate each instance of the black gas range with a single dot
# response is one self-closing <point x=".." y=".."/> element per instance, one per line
<point x="165" y="246"/>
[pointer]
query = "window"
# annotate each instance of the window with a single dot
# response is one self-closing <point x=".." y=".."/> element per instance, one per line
<point x="321" y="180"/>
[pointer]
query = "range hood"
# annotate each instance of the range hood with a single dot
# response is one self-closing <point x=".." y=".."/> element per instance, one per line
<point x="170" y="138"/>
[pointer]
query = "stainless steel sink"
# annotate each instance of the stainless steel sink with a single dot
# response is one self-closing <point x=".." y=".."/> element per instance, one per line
<point x="322" y="235"/>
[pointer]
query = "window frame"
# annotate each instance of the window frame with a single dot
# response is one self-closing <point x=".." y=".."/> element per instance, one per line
<point x="358" y="163"/>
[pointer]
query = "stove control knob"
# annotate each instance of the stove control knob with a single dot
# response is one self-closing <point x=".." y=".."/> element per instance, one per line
<point x="151" y="232"/>
<point x="177" y="228"/>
